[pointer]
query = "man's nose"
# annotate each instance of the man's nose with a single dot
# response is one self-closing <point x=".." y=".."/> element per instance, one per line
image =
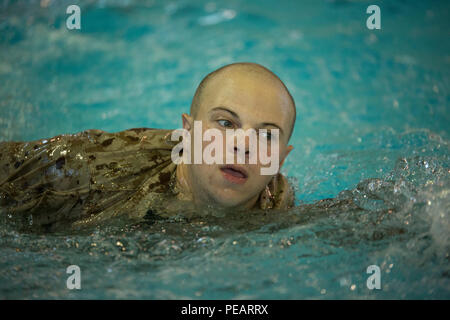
<point x="241" y="148"/>
<point x="246" y="148"/>
<point x="238" y="146"/>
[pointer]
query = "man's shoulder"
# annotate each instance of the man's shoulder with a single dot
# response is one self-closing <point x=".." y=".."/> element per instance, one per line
<point x="144" y="137"/>
<point x="130" y="132"/>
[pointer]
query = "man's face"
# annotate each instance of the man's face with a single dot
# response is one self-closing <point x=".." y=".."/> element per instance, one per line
<point x="239" y="101"/>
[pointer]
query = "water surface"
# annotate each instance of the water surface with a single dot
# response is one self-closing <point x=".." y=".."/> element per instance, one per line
<point x="372" y="126"/>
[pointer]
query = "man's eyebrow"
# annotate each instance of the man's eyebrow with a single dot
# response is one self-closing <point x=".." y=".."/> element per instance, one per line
<point x="272" y="124"/>
<point x="234" y="114"/>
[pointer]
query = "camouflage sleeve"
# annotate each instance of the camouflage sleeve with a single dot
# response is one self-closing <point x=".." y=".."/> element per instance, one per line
<point x="81" y="177"/>
<point x="43" y="181"/>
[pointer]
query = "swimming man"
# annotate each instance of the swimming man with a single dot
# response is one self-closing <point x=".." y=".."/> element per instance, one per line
<point x="92" y="176"/>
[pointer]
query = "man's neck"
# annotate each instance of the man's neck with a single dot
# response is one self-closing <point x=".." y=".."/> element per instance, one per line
<point x="183" y="183"/>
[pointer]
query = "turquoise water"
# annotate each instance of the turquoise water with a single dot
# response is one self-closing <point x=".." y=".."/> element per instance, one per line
<point x="372" y="118"/>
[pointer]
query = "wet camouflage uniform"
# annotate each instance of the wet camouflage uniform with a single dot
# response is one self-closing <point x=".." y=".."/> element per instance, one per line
<point x="89" y="177"/>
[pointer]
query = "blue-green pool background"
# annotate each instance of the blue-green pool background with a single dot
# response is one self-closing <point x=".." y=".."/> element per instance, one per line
<point x="365" y="98"/>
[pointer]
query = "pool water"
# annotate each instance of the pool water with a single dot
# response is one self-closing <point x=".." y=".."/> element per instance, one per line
<point x="372" y="125"/>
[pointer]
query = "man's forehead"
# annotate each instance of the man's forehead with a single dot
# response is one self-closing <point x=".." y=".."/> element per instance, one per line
<point x="241" y="79"/>
<point x="246" y="94"/>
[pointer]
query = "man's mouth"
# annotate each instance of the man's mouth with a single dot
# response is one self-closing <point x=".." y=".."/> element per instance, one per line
<point x="235" y="174"/>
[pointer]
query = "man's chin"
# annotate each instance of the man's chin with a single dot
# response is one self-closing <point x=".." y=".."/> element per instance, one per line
<point x="231" y="200"/>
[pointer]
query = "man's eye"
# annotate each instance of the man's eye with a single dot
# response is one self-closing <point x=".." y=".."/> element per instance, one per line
<point x="267" y="134"/>
<point x="225" y="123"/>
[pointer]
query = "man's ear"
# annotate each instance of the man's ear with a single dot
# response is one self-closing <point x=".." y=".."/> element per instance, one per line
<point x="288" y="150"/>
<point x="187" y="121"/>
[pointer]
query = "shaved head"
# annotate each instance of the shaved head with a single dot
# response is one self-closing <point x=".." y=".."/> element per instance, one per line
<point x="238" y="99"/>
<point x="255" y="72"/>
